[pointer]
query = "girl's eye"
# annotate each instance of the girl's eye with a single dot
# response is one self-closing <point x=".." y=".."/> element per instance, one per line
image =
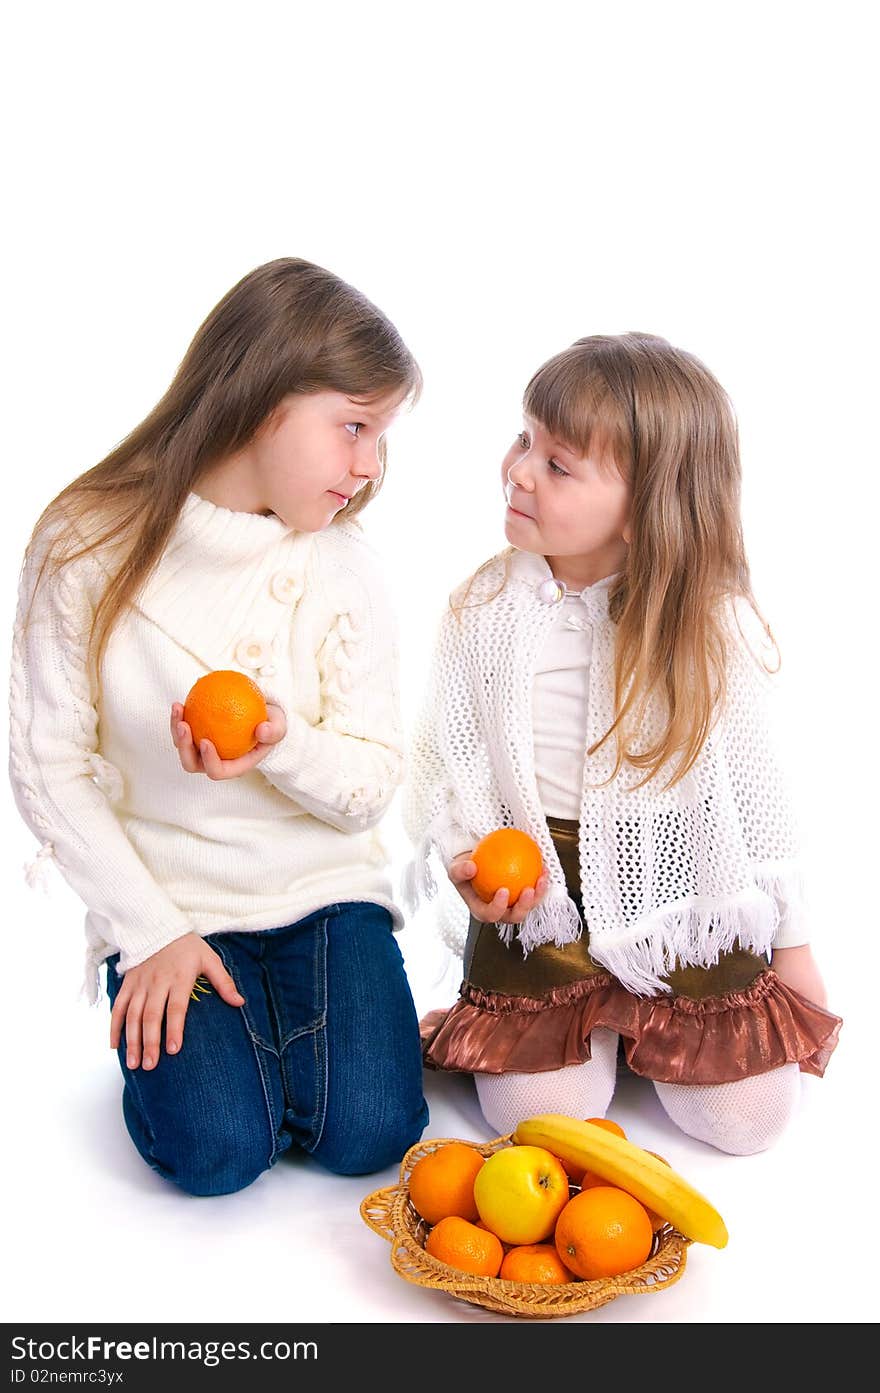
<point x="354" y="427"/>
<point x="524" y="443"/>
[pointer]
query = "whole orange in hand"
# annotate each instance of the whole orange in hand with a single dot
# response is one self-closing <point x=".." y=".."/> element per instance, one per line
<point x="507" y="858"/>
<point x="466" y="1247"/>
<point x="603" y="1232"/>
<point x="225" y="707"/>
<point x="534" y="1262"/>
<point x="442" y="1183"/>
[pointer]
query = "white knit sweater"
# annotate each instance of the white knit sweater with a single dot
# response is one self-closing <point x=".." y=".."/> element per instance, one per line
<point x="152" y="851"/>
<point x="667" y="877"/>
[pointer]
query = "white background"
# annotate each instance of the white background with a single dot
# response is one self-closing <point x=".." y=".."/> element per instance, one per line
<point x="500" y="180"/>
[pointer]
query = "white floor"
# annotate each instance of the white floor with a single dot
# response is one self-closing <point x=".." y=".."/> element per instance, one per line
<point x="91" y="1232"/>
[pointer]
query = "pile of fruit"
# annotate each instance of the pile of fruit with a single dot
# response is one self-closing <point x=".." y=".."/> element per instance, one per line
<point x="567" y="1200"/>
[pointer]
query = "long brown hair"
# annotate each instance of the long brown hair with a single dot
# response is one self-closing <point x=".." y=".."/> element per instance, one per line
<point x="288" y="326"/>
<point x="671" y="430"/>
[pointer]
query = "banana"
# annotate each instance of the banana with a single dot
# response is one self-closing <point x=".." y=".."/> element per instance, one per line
<point x="621" y="1163"/>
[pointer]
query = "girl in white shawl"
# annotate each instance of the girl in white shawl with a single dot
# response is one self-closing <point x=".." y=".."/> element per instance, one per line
<point x="601" y="685"/>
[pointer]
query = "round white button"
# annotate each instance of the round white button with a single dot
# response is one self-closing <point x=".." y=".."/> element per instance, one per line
<point x="285" y="586"/>
<point x="252" y="652"/>
<point x="551" y="591"/>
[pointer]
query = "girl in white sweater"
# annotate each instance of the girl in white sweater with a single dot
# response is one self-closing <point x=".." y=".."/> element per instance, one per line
<point x="600" y="685"/>
<point x="242" y="906"/>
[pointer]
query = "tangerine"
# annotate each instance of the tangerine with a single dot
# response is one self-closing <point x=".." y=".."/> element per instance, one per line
<point x="225" y="707"/>
<point x="586" y="1178"/>
<point x="463" y="1245"/>
<point x="603" y="1232"/>
<point x="534" y="1262"/>
<point x="442" y="1183"/>
<point x="507" y="858"/>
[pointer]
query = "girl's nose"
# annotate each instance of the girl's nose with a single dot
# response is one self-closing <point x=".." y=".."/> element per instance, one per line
<point x="369" y="465"/>
<point x="519" y="475"/>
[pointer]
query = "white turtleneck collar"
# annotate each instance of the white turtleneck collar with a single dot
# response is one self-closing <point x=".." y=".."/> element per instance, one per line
<point x="225" y="535"/>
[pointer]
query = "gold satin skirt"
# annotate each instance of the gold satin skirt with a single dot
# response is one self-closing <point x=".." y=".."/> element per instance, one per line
<point x="527" y="1014"/>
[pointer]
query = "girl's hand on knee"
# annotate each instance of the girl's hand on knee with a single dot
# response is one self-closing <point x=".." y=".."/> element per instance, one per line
<point x="462" y="871"/>
<point x="161" y="988"/>
<point x="205" y="759"/>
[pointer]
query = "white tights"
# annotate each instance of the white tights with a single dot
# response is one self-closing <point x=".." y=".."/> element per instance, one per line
<point x="741" y="1118"/>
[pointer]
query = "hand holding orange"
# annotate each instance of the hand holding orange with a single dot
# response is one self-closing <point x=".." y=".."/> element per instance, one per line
<point x="225" y="707"/>
<point x="506" y="859"/>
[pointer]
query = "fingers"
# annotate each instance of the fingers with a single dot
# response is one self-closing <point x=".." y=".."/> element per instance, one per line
<point x="175" y="1018"/>
<point x="220" y="978"/>
<point x="269" y="732"/>
<point x="133" y="1031"/>
<point x="151" y="1026"/>
<point x="217" y="768"/>
<point x="462" y="869"/>
<point x="117" y="1015"/>
<point x="204" y="759"/>
<point x="183" y="741"/>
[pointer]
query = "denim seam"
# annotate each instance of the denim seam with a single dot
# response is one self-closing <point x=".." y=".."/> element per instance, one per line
<point x="319" y="1052"/>
<point x="299" y="1031"/>
<point x="261" y="1065"/>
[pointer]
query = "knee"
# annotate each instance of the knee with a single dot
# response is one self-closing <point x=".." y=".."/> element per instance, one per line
<point x="223" y="1171"/>
<point x="202" y="1160"/>
<point x="371" y="1143"/>
<point x="741" y="1118"/>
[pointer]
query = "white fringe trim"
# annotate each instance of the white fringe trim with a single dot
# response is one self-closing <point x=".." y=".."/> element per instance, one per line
<point x="554" y="920"/>
<point x="418" y="882"/>
<point x="691" y="934"/>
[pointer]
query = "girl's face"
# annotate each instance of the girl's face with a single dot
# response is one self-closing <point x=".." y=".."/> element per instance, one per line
<point x="313" y="453"/>
<point x="569" y="508"/>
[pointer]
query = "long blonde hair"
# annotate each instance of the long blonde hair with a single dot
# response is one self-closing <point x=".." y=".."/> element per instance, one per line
<point x="288" y="326"/>
<point x="671" y="431"/>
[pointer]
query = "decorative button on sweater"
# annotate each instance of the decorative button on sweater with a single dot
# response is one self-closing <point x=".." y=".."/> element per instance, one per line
<point x="153" y="852"/>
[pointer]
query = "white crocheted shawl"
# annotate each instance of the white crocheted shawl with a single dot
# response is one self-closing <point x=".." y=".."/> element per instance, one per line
<point x="669" y="877"/>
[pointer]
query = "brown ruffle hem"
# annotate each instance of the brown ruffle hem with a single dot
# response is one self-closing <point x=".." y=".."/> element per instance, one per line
<point x="670" y="1039"/>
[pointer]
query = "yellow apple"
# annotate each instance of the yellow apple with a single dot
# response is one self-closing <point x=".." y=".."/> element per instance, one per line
<point x="520" y="1192"/>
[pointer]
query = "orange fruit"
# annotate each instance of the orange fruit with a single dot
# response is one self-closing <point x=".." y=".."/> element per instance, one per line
<point x="225" y="707"/>
<point x="508" y="858"/>
<point x="442" y="1183"/>
<point x="603" y="1232"/>
<point x="534" y="1262"/>
<point x="587" y="1178"/>
<point x="466" y="1247"/>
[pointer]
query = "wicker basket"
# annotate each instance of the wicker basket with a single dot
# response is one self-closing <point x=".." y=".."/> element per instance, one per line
<point x="390" y="1213"/>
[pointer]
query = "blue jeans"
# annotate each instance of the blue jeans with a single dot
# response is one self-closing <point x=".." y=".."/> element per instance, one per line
<point x="325" y="1053"/>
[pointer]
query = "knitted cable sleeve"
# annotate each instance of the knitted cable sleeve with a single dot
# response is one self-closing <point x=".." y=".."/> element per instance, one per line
<point x="62" y="786"/>
<point x="346" y="768"/>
